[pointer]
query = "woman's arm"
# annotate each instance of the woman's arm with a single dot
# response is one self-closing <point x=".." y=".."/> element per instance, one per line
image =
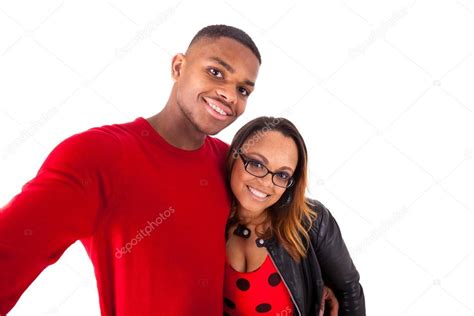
<point x="339" y="272"/>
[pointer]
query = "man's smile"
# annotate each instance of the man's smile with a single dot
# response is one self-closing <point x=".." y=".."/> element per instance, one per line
<point x="217" y="108"/>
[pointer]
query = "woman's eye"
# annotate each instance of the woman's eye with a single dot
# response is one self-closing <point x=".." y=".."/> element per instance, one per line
<point x="256" y="164"/>
<point x="283" y="175"/>
<point x="216" y="73"/>
<point x="244" y="92"/>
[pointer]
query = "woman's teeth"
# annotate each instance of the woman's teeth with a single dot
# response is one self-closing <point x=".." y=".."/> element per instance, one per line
<point x="257" y="193"/>
<point x="217" y="109"/>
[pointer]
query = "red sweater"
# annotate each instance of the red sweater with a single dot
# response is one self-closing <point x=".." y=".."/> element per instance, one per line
<point x="151" y="217"/>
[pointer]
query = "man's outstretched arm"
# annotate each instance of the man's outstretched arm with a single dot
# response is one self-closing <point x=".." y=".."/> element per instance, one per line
<point x="62" y="204"/>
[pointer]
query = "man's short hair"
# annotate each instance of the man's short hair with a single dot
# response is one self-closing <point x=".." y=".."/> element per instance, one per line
<point x="216" y="31"/>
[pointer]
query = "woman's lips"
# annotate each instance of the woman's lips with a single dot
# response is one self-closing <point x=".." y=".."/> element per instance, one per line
<point x="257" y="194"/>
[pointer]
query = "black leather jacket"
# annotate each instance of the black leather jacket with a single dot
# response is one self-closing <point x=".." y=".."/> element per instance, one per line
<point x="327" y="263"/>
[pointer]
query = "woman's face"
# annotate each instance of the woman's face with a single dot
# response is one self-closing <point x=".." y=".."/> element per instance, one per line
<point x="276" y="152"/>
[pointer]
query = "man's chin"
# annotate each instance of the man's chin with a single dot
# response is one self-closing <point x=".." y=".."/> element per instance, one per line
<point x="214" y="129"/>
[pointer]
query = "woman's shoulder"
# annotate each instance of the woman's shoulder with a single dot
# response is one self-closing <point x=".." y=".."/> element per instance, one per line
<point x="315" y="205"/>
<point x="319" y="210"/>
<point x="321" y="220"/>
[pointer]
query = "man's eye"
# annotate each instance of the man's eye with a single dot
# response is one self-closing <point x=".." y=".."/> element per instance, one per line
<point x="244" y="92"/>
<point x="216" y="73"/>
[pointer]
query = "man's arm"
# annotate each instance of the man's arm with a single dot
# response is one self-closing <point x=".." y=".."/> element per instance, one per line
<point x="62" y="204"/>
<point x="328" y="298"/>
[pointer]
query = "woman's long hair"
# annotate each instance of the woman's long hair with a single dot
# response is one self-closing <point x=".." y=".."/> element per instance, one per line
<point x="290" y="215"/>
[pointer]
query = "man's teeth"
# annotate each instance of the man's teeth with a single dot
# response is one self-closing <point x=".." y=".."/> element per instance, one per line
<point x="258" y="193"/>
<point x="217" y="109"/>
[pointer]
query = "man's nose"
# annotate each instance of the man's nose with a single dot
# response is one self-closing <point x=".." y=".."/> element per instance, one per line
<point x="228" y="94"/>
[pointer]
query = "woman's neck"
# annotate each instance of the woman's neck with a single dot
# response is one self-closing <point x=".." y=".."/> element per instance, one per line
<point x="252" y="221"/>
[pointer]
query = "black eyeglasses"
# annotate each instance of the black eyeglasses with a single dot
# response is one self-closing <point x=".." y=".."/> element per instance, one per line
<point x="257" y="169"/>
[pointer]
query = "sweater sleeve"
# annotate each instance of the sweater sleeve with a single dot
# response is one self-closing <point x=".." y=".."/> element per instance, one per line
<point x="338" y="270"/>
<point x="63" y="203"/>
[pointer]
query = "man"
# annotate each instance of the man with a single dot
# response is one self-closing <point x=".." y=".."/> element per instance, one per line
<point x="147" y="199"/>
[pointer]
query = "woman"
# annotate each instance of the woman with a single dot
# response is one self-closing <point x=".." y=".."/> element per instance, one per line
<point x="281" y="247"/>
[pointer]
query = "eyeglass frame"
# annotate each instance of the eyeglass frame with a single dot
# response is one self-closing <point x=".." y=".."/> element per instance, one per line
<point x="246" y="161"/>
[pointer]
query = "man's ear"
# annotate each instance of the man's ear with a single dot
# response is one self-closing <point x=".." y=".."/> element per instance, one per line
<point x="177" y="65"/>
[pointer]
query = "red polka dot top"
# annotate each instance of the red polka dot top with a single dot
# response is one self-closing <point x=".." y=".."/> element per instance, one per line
<point x="260" y="292"/>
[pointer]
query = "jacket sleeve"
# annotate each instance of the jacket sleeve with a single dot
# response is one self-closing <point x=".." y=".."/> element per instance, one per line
<point x="61" y="205"/>
<point x="338" y="270"/>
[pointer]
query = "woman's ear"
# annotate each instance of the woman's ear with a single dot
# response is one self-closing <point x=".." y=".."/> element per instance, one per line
<point x="177" y="64"/>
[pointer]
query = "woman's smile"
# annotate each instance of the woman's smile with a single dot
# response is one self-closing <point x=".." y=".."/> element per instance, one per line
<point x="257" y="194"/>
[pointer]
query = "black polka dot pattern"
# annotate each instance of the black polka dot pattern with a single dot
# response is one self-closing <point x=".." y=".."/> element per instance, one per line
<point x="229" y="303"/>
<point x="243" y="284"/>
<point x="260" y="293"/>
<point x="263" y="308"/>
<point x="274" y="279"/>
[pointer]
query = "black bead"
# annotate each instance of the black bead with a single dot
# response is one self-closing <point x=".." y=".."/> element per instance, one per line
<point x="260" y="242"/>
<point x="242" y="231"/>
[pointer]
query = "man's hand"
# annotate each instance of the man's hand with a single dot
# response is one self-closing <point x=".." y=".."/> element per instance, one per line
<point x="330" y="299"/>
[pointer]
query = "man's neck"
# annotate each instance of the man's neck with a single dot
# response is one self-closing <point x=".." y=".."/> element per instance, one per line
<point x="176" y="129"/>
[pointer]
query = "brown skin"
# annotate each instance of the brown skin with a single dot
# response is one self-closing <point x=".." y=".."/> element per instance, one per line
<point x="198" y="75"/>
<point x="279" y="154"/>
<point x="185" y="122"/>
<point x="329" y="299"/>
<point x="276" y="152"/>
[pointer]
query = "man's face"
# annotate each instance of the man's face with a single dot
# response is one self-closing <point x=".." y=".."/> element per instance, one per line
<point x="213" y="82"/>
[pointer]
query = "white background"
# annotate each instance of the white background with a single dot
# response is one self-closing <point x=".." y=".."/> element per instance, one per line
<point x="382" y="91"/>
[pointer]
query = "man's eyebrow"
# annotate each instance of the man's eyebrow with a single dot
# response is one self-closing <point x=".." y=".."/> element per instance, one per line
<point x="230" y="69"/>
<point x="250" y="83"/>
<point x="223" y="64"/>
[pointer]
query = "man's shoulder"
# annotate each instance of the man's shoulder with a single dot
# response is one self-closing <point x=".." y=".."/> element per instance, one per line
<point x="221" y="145"/>
<point x="94" y="143"/>
<point x="112" y="134"/>
<point x="118" y="129"/>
